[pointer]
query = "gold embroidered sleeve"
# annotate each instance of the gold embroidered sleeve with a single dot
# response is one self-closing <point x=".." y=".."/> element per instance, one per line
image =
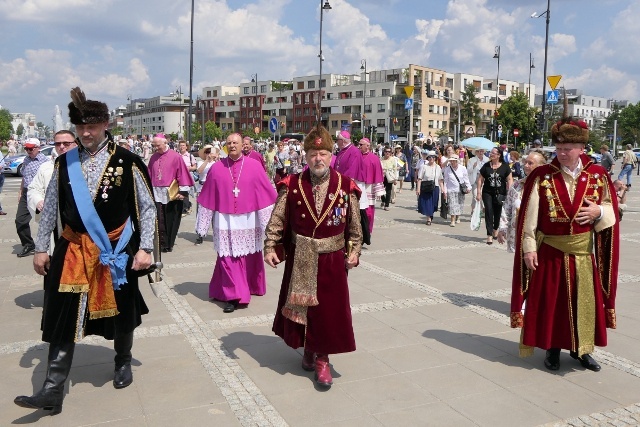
<point x="531" y="220"/>
<point x="275" y="228"/>
<point x="355" y="227"/>
<point x="608" y="216"/>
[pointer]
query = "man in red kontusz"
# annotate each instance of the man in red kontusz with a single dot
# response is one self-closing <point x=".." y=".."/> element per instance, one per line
<point x="316" y="219"/>
<point x="566" y="261"/>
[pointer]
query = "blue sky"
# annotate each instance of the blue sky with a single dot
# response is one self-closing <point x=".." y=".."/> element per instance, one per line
<point x="116" y="48"/>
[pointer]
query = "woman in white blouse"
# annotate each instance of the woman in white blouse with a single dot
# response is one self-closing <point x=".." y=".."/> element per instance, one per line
<point x="455" y="177"/>
<point x="430" y="182"/>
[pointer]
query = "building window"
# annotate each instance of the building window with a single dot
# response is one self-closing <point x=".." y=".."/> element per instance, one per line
<point x="246" y="90"/>
<point x="430" y="124"/>
<point x="263" y="88"/>
<point x="323" y="83"/>
<point x="380" y="123"/>
<point x="358" y="94"/>
<point x="334" y="123"/>
<point x="300" y="85"/>
<point x="372" y="93"/>
<point x="386" y="92"/>
<point x="381" y="108"/>
<point x="311" y="84"/>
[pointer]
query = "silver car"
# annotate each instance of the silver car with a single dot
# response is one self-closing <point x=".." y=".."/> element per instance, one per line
<point x="13" y="164"/>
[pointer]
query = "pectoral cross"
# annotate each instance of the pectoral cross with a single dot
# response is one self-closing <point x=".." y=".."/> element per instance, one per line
<point x="236" y="191"/>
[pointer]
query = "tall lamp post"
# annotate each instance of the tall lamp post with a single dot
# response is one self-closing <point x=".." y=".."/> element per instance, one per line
<point x="190" y="77"/>
<point x="324" y="7"/>
<point x="254" y="79"/>
<point x="546" y="13"/>
<point x="363" y="67"/>
<point x="531" y="67"/>
<point x="495" y="112"/>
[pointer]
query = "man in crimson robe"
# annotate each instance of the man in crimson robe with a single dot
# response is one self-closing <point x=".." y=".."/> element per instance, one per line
<point x="315" y="226"/>
<point x="237" y="198"/>
<point x="566" y="261"/>
<point x="247" y="150"/>
<point x="167" y="169"/>
<point x="372" y="182"/>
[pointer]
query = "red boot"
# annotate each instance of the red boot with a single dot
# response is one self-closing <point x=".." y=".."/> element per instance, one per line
<point x="308" y="360"/>
<point x="323" y="370"/>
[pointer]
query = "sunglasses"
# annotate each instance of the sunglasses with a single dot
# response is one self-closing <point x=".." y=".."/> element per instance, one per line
<point x="30" y="148"/>
<point x="65" y="143"/>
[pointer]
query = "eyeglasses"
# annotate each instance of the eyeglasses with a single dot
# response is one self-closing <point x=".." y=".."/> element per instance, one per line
<point x="30" y="148"/>
<point x="65" y="143"/>
<point x="387" y="151"/>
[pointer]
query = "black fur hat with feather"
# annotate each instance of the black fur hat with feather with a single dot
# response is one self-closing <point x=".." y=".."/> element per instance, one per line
<point x="85" y="111"/>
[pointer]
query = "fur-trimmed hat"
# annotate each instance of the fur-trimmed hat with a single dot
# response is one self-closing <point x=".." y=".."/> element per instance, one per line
<point x="85" y="111"/>
<point x="569" y="130"/>
<point x="318" y="139"/>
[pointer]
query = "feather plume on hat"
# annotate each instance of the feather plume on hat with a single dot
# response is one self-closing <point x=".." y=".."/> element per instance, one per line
<point x="83" y="111"/>
<point x="569" y="130"/>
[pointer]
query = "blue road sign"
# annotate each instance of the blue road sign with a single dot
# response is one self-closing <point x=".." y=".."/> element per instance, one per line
<point x="408" y="103"/>
<point x="552" y="96"/>
<point x="273" y="125"/>
<point x="393" y="137"/>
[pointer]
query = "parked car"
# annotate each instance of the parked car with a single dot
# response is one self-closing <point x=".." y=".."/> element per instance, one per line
<point x="13" y="164"/>
<point x="637" y="152"/>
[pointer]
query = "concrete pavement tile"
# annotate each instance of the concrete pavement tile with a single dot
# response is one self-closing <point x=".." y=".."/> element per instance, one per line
<point x="444" y="312"/>
<point x="356" y="366"/>
<point x="477" y="326"/>
<point x="315" y="407"/>
<point x="564" y="399"/>
<point x="284" y="378"/>
<point x="364" y="321"/>
<point x="233" y="338"/>
<point x="377" y="339"/>
<point x="207" y="415"/>
<point x="497" y="408"/>
<point x="387" y="393"/>
<point x="511" y="371"/>
<point x="24" y="298"/>
<point x="458" y="346"/>
<point x="397" y="317"/>
<point x="394" y="290"/>
<point x="362" y="295"/>
<point x="506" y="341"/>
<point x="366" y="420"/>
<point x="623" y="346"/>
<point x="263" y="355"/>
<point x="411" y="358"/>
<point x="432" y="414"/>
<point x="611" y="383"/>
<point x="451" y="381"/>
<point x="17" y="327"/>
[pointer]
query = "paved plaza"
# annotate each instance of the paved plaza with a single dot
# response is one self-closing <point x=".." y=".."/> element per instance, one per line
<point x="434" y="347"/>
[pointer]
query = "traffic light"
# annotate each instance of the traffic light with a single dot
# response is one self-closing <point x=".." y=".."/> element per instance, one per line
<point x="374" y="129"/>
<point x="539" y="121"/>
<point x="428" y="90"/>
<point x="446" y="93"/>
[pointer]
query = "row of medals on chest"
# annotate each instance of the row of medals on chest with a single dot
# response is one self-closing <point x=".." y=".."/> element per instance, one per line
<point x="551" y="198"/>
<point x="339" y="213"/>
<point x="112" y="176"/>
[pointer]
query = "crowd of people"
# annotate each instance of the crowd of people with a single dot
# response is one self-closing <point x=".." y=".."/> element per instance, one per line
<point x="310" y="205"/>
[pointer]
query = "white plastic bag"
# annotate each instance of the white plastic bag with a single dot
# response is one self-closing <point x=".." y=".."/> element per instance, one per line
<point x="475" y="217"/>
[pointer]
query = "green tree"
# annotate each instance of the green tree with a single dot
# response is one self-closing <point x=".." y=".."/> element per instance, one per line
<point x="516" y="113"/>
<point x="118" y="130"/>
<point x="212" y="131"/>
<point x="6" y="128"/>
<point x="629" y="124"/>
<point x="20" y="130"/>
<point x="470" y="106"/>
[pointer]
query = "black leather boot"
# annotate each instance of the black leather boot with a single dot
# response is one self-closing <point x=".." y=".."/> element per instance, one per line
<point x="51" y="394"/>
<point x="123" y="377"/>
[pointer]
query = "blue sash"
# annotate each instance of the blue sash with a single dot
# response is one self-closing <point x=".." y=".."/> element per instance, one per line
<point x="115" y="259"/>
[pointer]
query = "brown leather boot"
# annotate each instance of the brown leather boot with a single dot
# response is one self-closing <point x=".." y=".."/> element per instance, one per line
<point x="323" y="370"/>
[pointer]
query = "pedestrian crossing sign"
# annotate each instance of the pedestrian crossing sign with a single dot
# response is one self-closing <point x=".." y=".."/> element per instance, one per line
<point x="552" y="97"/>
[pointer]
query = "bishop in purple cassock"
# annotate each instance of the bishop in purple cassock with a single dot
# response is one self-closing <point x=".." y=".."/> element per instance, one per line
<point x="237" y="198"/>
<point x="165" y="166"/>
<point x="247" y="150"/>
<point x="372" y="186"/>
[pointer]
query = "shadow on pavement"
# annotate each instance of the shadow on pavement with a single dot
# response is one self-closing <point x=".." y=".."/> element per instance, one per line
<point x="491" y="304"/>
<point x="31" y="300"/>
<point x="198" y="290"/>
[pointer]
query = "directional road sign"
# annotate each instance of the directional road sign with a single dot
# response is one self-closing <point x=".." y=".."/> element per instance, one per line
<point x="273" y="125"/>
<point x="408" y="103"/>
<point x="552" y="96"/>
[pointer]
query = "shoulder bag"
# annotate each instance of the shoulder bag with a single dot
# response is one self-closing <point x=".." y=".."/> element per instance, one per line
<point x="463" y="187"/>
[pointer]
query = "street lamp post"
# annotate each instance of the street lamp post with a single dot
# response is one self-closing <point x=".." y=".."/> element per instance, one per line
<point x="531" y="66"/>
<point x="190" y="77"/>
<point x="495" y="123"/>
<point x="363" y="66"/>
<point x="547" y="14"/>
<point x="179" y="90"/>
<point x="324" y="7"/>
<point x="254" y="79"/>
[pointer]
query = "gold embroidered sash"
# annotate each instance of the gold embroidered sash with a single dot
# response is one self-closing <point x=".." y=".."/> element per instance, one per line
<point x="303" y="286"/>
<point x="579" y="246"/>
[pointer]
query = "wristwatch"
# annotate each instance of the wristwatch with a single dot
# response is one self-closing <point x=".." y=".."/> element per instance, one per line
<point x="147" y="250"/>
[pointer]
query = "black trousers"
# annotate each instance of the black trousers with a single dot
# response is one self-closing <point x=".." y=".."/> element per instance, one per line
<point x="169" y="217"/>
<point x="186" y="203"/>
<point x="388" y="187"/>
<point x="492" y="211"/>
<point x="23" y="217"/>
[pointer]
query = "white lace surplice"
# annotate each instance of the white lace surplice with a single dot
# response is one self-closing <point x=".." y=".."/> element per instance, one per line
<point x="234" y="234"/>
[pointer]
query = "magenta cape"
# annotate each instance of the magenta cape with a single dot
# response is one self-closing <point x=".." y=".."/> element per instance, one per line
<point x="256" y="191"/>
<point x="371" y="169"/>
<point x="348" y="162"/>
<point x="170" y="165"/>
<point x="256" y="156"/>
